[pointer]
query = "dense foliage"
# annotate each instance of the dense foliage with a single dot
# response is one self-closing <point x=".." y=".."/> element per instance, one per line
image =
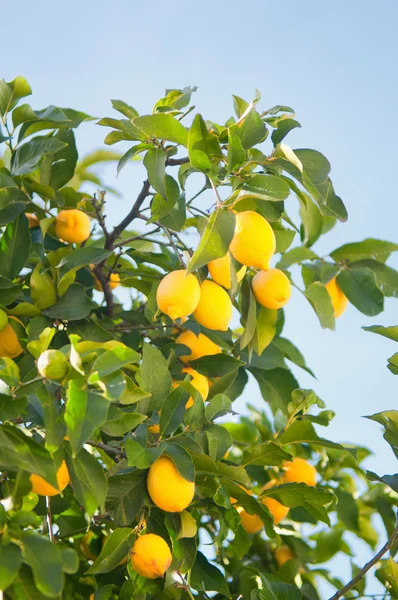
<point x="110" y="410"/>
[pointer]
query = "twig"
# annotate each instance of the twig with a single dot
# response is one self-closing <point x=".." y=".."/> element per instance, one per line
<point x="111" y="452"/>
<point x="130" y="217"/>
<point x="393" y="539"/>
<point x="106" y="288"/>
<point x="49" y="519"/>
<point x="174" y="162"/>
<point x="98" y="209"/>
<point x="141" y="236"/>
<point x="215" y="190"/>
<point x="173" y="245"/>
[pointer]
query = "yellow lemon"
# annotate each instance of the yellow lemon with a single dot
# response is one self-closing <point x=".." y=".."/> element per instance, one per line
<point x="220" y="271"/>
<point x="33" y="220"/>
<point x="254" y="242"/>
<point x="9" y="343"/>
<point x="199" y="382"/>
<point x="272" y="288"/>
<point x="167" y="488"/>
<point x="214" y="310"/>
<point x="150" y="556"/>
<point x="278" y="511"/>
<point x="283" y="554"/>
<point x="72" y="226"/>
<point x="199" y="345"/>
<point x="114" y="281"/>
<point x="339" y="300"/>
<point x="42" y="488"/>
<point x="250" y="523"/>
<point x="178" y="294"/>
<point x="154" y="428"/>
<point x="299" y="471"/>
<point x="52" y="364"/>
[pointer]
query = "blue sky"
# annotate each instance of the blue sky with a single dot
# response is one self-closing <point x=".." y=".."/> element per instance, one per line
<point x="335" y="63"/>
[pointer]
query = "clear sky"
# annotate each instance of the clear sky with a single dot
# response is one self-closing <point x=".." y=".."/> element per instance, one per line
<point x="334" y="62"/>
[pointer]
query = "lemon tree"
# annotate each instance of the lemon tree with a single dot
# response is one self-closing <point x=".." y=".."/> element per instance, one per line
<point x="125" y="471"/>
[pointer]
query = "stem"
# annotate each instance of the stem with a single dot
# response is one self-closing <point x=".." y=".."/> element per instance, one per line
<point x="387" y="546"/>
<point x="130" y="217"/>
<point x="141" y="236"/>
<point x="49" y="519"/>
<point x="111" y="452"/>
<point x="215" y="190"/>
<point x="174" y="162"/>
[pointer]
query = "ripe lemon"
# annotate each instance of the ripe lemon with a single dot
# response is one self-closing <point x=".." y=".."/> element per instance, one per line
<point x="72" y="226"/>
<point x="199" y="382"/>
<point x="33" y="220"/>
<point x="9" y="343"/>
<point x="299" y="471"/>
<point x="250" y="523"/>
<point x="254" y="242"/>
<point x="114" y="281"/>
<point x="214" y="310"/>
<point x="3" y="319"/>
<point x="150" y="556"/>
<point x="278" y="511"/>
<point x="339" y="300"/>
<point x="42" y="488"/>
<point x="52" y="364"/>
<point x="154" y="428"/>
<point x="168" y="490"/>
<point x="283" y="554"/>
<point x="178" y="294"/>
<point x="272" y="288"/>
<point x="220" y="271"/>
<point x="199" y="345"/>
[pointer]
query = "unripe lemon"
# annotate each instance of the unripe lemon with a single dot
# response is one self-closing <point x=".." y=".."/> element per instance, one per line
<point x="9" y="343"/>
<point x="114" y="281"/>
<point x="42" y="488"/>
<point x="200" y="345"/>
<point x="339" y="300"/>
<point x="167" y="488"/>
<point x="278" y="511"/>
<point x="3" y="319"/>
<point x="52" y="364"/>
<point x="283" y="554"/>
<point x="178" y="294"/>
<point x="199" y="382"/>
<point x="272" y="288"/>
<point x="33" y="220"/>
<point x="150" y="556"/>
<point x="214" y="310"/>
<point x="72" y="226"/>
<point x="220" y="271"/>
<point x="254" y="242"/>
<point x="250" y="523"/>
<point x="299" y="471"/>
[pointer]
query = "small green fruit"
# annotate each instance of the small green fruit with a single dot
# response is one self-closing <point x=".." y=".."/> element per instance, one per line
<point x="3" y="319"/>
<point x="52" y="364"/>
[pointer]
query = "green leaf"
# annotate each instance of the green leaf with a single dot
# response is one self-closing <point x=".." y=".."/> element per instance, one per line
<point x="303" y="432"/>
<point x="155" y="164"/>
<point x="204" y="464"/>
<point x="206" y="577"/>
<point x="161" y="206"/>
<point x="268" y="187"/>
<point x="251" y="130"/>
<point x="11" y="92"/>
<point x="388" y="332"/>
<point x="85" y="412"/>
<point x="84" y="256"/>
<point x="386" y="277"/>
<point x="42" y="288"/>
<point x="140" y="456"/>
<point x="292" y="353"/>
<point x="88" y="480"/>
<point x="265" y="329"/>
<point x="218" y="406"/>
<point x="302" y="400"/>
<point x="10" y="561"/>
<point x="312" y="220"/>
<point x="203" y="147"/>
<point x="321" y="302"/>
<point x="127" y="495"/>
<point x="173" y="410"/>
<point x="282" y="129"/>
<point x="276" y="386"/>
<point x="126" y="110"/>
<point x="347" y="509"/>
<point x="265" y="454"/>
<point x="53" y="419"/>
<point x="116" y="548"/>
<point x="360" y="287"/>
<point x="113" y="360"/>
<point x="69" y="558"/>
<point x="388" y="574"/>
<point x="219" y="440"/>
<point x="249" y="314"/>
<point x="274" y="589"/>
<point x="14" y="247"/>
<point x="294" y="256"/>
<point x="369" y="248"/>
<point x="74" y="305"/>
<point x="153" y="376"/>
<point x="162" y="127"/>
<point x="216" y="365"/>
<point x="20" y="452"/>
<point x="46" y="564"/>
<point x="120" y="422"/>
<point x="215" y="240"/>
<point x="62" y="170"/>
<point x="299" y="494"/>
<point x="182" y="460"/>
<point x="236" y="154"/>
<point x="28" y="156"/>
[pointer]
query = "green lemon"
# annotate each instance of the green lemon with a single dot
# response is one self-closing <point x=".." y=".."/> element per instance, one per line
<point x="52" y="364"/>
<point x="3" y="319"/>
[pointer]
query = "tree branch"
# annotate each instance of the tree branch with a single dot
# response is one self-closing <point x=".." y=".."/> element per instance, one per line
<point x="174" y="162"/>
<point x="130" y="217"/>
<point x="111" y="452"/>
<point x="106" y="288"/>
<point x="387" y="546"/>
